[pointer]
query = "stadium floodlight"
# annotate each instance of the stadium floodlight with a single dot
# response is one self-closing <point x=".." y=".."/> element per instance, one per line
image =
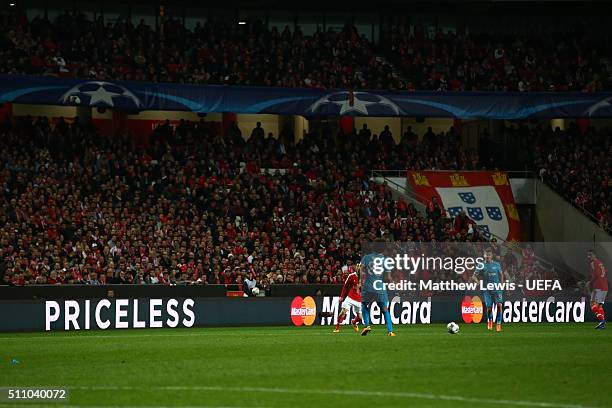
<point x="241" y="22"/>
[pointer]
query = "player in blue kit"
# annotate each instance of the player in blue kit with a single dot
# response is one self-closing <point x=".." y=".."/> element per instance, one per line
<point x="372" y="291"/>
<point x="491" y="273"/>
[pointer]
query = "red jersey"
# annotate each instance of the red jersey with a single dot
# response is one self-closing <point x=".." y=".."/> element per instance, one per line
<point x="599" y="276"/>
<point x="351" y="285"/>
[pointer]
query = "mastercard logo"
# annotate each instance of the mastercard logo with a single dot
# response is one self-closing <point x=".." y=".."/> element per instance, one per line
<point x="303" y="311"/>
<point x="471" y="309"/>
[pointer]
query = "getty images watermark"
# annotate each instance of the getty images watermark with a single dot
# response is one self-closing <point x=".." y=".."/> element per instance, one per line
<point x="525" y="268"/>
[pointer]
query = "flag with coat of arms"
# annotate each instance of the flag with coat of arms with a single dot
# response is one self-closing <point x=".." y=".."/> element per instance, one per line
<point x="485" y="197"/>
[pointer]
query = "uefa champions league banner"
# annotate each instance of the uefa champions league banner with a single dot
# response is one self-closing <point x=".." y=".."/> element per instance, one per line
<point x="484" y="196"/>
<point x="141" y="96"/>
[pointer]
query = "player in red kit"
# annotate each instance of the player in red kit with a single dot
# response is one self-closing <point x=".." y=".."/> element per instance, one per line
<point x="599" y="288"/>
<point x="352" y="291"/>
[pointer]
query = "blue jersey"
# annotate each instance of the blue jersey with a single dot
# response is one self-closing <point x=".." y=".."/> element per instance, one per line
<point x="370" y="275"/>
<point x="490" y="272"/>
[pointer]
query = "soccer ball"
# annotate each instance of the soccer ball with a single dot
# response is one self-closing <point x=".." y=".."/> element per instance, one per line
<point x="255" y="291"/>
<point x="453" y="328"/>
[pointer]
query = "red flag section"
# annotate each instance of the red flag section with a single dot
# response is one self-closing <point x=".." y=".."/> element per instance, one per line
<point x="485" y="196"/>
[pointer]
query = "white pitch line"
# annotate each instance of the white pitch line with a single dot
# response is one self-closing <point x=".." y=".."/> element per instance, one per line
<point x="53" y="335"/>
<point x="54" y="405"/>
<point x="148" y="335"/>
<point x="356" y="393"/>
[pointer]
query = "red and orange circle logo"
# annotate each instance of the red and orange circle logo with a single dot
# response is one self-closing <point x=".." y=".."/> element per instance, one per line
<point x="303" y="311"/>
<point x="471" y="309"/>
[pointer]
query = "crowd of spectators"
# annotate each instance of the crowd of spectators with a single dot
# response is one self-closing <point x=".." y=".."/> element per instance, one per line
<point x="195" y="207"/>
<point x="217" y="52"/>
<point x="578" y="165"/>
<point x="567" y="61"/>
<point x="214" y="52"/>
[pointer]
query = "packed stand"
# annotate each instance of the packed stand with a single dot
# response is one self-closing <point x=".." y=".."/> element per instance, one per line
<point x="577" y="165"/>
<point x="447" y="61"/>
<point x="194" y="206"/>
<point x="216" y="52"/>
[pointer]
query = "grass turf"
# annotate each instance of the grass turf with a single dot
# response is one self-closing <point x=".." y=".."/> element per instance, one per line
<point x="533" y="365"/>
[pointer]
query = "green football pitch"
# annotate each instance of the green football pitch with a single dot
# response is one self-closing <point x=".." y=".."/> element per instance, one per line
<point x="528" y="365"/>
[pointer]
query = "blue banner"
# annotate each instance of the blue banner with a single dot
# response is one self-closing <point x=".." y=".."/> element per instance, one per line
<point x="142" y="96"/>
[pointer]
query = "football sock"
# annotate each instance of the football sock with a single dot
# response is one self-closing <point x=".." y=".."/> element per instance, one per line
<point x="366" y="314"/>
<point x="598" y="312"/>
<point x="499" y="315"/>
<point x="602" y="313"/>
<point x="388" y="320"/>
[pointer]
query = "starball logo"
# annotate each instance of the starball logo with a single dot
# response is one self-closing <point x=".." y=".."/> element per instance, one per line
<point x="471" y="309"/>
<point x="303" y="311"/>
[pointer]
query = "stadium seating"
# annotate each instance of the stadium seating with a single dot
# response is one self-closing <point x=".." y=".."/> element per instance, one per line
<point x="560" y="61"/>
<point x="212" y="53"/>
<point x="219" y="52"/>
<point x="197" y="207"/>
<point x="578" y="166"/>
<point x="575" y="162"/>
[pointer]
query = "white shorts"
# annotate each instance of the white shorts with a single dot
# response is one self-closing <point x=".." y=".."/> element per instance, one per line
<point x="598" y="295"/>
<point x="349" y="303"/>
